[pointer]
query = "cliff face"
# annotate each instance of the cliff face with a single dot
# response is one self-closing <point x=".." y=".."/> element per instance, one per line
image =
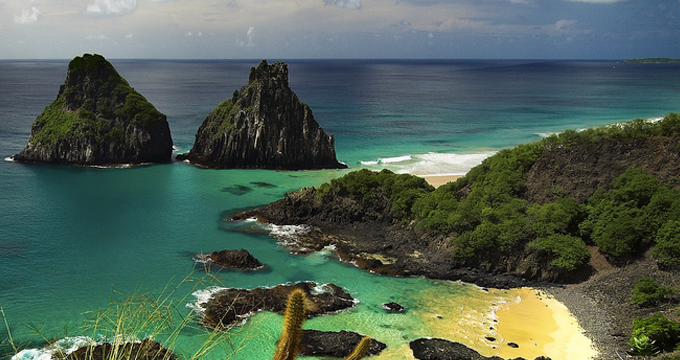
<point x="98" y="119"/>
<point x="263" y="126"/>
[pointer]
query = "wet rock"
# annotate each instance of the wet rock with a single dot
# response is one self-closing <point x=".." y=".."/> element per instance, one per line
<point x="393" y="307"/>
<point x="334" y="344"/>
<point x="234" y="259"/>
<point x="441" y="349"/>
<point x="229" y="306"/>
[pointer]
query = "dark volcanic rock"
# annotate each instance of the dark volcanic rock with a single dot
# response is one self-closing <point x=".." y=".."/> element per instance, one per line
<point x="393" y="307"/>
<point x="335" y="344"/>
<point x="98" y="119"/>
<point x="144" y="350"/>
<point x="228" y="306"/>
<point x="263" y="126"/>
<point x="440" y="349"/>
<point x="234" y="259"/>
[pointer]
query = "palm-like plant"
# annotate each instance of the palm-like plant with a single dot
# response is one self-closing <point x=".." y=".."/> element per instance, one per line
<point x="643" y="346"/>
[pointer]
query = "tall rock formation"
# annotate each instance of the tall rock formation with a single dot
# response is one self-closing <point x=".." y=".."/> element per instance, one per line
<point x="98" y="119"/>
<point x="263" y="126"/>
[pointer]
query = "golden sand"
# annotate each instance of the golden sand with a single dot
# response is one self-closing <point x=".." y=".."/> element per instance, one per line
<point x="541" y="326"/>
<point x="437" y="180"/>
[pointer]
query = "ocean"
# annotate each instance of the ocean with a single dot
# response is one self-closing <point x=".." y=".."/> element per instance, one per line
<point x="75" y="239"/>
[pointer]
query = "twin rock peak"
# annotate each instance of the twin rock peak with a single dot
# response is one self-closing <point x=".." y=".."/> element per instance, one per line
<point x="98" y="119"/>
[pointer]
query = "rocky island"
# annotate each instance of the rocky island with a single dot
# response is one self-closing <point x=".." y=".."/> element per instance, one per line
<point x="98" y="119"/>
<point x="263" y="126"/>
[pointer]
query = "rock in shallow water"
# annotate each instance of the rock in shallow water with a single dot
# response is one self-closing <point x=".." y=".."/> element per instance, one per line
<point x="234" y="259"/>
<point x="334" y="343"/>
<point x="441" y="349"/>
<point x="229" y="306"/>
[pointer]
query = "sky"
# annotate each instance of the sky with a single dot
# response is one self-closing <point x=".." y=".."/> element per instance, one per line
<point x="295" y="29"/>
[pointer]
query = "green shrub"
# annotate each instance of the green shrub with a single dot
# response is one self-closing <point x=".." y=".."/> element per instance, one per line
<point x="667" y="249"/>
<point x="664" y="332"/>
<point x="648" y="292"/>
<point x="566" y="253"/>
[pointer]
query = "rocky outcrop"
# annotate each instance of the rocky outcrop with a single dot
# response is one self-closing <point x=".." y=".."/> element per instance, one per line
<point x="143" y="350"/>
<point x="263" y="126"/>
<point x="98" y="119"/>
<point x="228" y="306"/>
<point x="581" y="170"/>
<point x="440" y="349"/>
<point x="368" y="238"/>
<point x="334" y="343"/>
<point x="232" y="259"/>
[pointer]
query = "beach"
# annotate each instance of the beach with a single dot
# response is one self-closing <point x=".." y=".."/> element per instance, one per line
<point x="438" y="180"/>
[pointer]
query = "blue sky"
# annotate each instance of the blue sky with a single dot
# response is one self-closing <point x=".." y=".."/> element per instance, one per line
<point x="289" y="29"/>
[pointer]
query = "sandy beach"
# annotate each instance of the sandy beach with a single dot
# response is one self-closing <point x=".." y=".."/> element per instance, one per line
<point x="541" y="326"/>
<point x="437" y="180"/>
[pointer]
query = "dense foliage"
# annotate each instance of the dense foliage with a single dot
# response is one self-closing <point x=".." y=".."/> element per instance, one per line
<point x="648" y="292"/>
<point x="368" y="187"/>
<point x="665" y="333"/>
<point x="485" y="215"/>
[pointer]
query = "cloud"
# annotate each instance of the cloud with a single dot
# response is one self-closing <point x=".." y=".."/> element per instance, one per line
<point x="28" y="16"/>
<point x="251" y="36"/>
<point x="129" y="36"/>
<point x="97" y="37"/>
<point x="349" y="4"/>
<point x="111" y="7"/>
<point x="562" y="25"/>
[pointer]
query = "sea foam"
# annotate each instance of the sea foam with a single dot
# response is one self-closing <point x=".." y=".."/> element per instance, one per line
<point x="432" y="163"/>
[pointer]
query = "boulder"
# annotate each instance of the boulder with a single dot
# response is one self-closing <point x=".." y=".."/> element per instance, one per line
<point x="393" y="307"/>
<point x="98" y="119"/>
<point x="441" y="349"/>
<point x="228" y="306"/>
<point x="263" y="126"/>
<point x="233" y="259"/>
<point x="334" y="343"/>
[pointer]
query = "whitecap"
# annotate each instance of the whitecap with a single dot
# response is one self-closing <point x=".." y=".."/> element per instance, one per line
<point x="9" y="158"/>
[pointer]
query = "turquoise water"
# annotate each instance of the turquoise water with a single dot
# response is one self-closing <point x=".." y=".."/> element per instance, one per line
<point x="72" y="238"/>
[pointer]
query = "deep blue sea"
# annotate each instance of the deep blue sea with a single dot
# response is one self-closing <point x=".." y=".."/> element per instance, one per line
<point x="72" y="239"/>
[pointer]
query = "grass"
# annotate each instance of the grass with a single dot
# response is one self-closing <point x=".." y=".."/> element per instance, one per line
<point x="137" y="326"/>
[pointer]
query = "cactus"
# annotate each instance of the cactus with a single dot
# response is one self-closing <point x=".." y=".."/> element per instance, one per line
<point x="289" y="342"/>
<point x="360" y="350"/>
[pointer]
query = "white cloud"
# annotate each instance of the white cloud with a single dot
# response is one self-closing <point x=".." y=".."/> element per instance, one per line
<point x="128" y="36"/>
<point x="111" y="7"/>
<point x="97" y="37"/>
<point x="562" y="25"/>
<point x="251" y="36"/>
<point x="349" y="4"/>
<point x="28" y="16"/>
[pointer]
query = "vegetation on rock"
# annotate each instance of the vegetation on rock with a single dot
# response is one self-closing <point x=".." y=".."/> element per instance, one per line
<point x="490" y="222"/>
<point x="648" y="292"/>
<point x="98" y="118"/>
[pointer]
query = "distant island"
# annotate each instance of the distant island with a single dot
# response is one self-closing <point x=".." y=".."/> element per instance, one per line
<point x="98" y="119"/>
<point x="652" y="61"/>
<point x="263" y="126"/>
